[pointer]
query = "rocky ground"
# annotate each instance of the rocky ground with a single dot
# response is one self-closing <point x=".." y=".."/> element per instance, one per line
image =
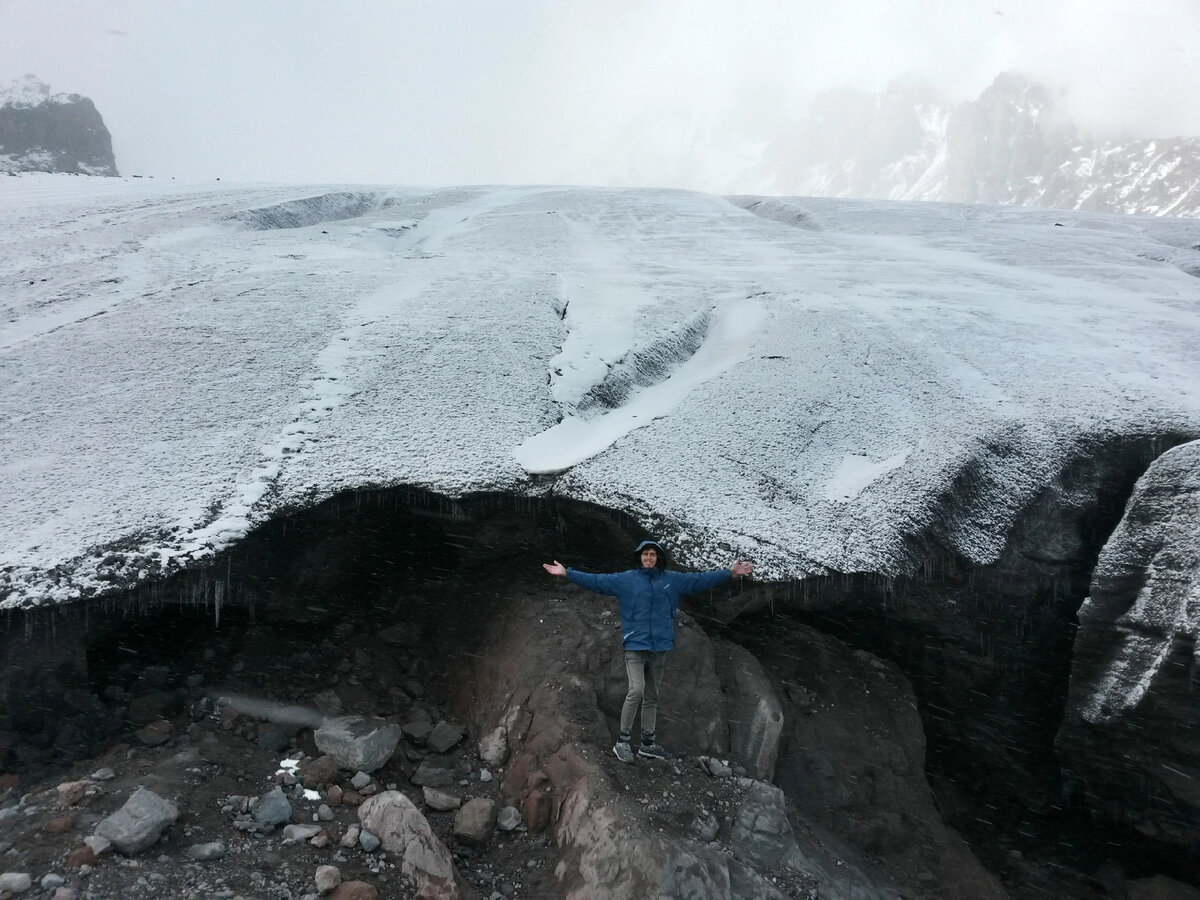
<point x="253" y="808"/>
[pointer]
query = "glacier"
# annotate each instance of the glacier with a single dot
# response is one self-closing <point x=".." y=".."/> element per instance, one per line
<point x="798" y="380"/>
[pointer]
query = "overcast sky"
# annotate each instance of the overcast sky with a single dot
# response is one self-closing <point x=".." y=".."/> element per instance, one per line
<point x="561" y="91"/>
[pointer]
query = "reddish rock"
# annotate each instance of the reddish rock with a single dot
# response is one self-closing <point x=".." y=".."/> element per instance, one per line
<point x="321" y="771"/>
<point x="81" y="856"/>
<point x="351" y="798"/>
<point x="60" y="825"/>
<point x="334" y="796"/>
<point x="355" y="890"/>
<point x="537" y="811"/>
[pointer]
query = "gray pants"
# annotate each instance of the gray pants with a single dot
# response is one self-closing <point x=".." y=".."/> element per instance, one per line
<point x="645" y="671"/>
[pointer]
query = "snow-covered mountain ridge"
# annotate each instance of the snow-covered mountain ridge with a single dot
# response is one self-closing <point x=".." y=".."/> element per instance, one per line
<point x="183" y="363"/>
<point x="1011" y="146"/>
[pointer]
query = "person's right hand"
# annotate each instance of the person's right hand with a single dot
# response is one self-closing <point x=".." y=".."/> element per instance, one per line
<point x="556" y="569"/>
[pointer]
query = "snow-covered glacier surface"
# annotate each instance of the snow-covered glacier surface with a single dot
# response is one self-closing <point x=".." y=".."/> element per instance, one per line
<point x="802" y="381"/>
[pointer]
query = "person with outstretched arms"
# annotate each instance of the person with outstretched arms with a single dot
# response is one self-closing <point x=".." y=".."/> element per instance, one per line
<point x="649" y="596"/>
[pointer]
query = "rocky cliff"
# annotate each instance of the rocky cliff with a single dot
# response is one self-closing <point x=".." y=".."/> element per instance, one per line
<point x="1010" y="146"/>
<point x="1131" y="733"/>
<point x="44" y="132"/>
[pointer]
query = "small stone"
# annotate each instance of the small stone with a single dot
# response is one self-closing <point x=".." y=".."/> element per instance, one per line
<point x="327" y="878"/>
<point x="81" y="856"/>
<point x="444" y="736"/>
<point x="155" y="733"/>
<point x="431" y="774"/>
<point x="321" y="771"/>
<point x="324" y="813"/>
<point x="15" y="883"/>
<point x="320" y="841"/>
<point x="334" y="796"/>
<point x="360" y="780"/>
<point x="105" y="774"/>
<point x="354" y="890"/>
<point x="493" y="747"/>
<point x="716" y="768"/>
<point x="206" y="852"/>
<point x="485" y="775"/>
<point x="350" y="838"/>
<point x="368" y="841"/>
<point x="300" y="832"/>
<point x="417" y="732"/>
<point x="357" y="743"/>
<point x="351" y="799"/>
<point x="509" y="818"/>
<point x="99" y="844"/>
<point x="272" y="809"/>
<point x="59" y="825"/>
<point x="442" y="801"/>
<point x="52" y="881"/>
<point x="71" y="792"/>
<point x="65" y="893"/>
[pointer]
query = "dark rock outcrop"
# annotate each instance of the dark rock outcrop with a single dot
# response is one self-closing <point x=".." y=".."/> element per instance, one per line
<point x="44" y="132"/>
<point x="1131" y="734"/>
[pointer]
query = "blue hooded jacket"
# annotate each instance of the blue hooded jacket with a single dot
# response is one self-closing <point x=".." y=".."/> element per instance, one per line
<point x="649" y="600"/>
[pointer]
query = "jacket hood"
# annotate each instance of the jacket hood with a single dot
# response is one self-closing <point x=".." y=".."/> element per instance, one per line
<point x="662" y="554"/>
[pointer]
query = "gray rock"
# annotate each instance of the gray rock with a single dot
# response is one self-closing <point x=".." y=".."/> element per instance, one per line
<point x="105" y="774"/>
<point x="15" y="882"/>
<point x="493" y="747"/>
<point x="404" y="831"/>
<point x="350" y="838"/>
<point x="324" y="813"/>
<point x="356" y="743"/>
<point x="327" y="879"/>
<point x="63" y="133"/>
<point x="300" y="832"/>
<point x="509" y="818"/>
<point x="705" y="825"/>
<point x="433" y="774"/>
<point x="716" y="768"/>
<point x="473" y="823"/>
<point x="272" y="809"/>
<point x="440" y="800"/>
<point x="139" y="823"/>
<point x="444" y="736"/>
<point x="485" y="776"/>
<point x="761" y="833"/>
<point x="360" y="780"/>
<point x="368" y="841"/>
<point x="206" y="852"/>
<point x="417" y="731"/>
<point x="52" y="881"/>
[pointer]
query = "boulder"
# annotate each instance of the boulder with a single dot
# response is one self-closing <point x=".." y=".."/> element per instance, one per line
<point x="474" y="821"/>
<point x="272" y="809"/>
<point x="444" y="736"/>
<point x="327" y="878"/>
<point x="356" y="743"/>
<point x="402" y="830"/>
<point x="761" y="832"/>
<point x="15" y="883"/>
<point x="139" y="823"/>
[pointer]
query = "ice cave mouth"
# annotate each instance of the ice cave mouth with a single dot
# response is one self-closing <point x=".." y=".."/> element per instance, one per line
<point x="986" y="648"/>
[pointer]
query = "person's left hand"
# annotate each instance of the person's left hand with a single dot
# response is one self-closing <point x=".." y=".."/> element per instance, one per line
<point x="742" y="568"/>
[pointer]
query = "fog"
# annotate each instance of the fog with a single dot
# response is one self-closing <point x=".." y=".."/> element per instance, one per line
<point x="533" y="91"/>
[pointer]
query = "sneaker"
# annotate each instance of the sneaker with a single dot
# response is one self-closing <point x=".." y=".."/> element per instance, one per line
<point x="623" y="752"/>
<point x="652" y="751"/>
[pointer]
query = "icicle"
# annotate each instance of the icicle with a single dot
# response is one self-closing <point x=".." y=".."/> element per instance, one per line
<point x="218" y="593"/>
